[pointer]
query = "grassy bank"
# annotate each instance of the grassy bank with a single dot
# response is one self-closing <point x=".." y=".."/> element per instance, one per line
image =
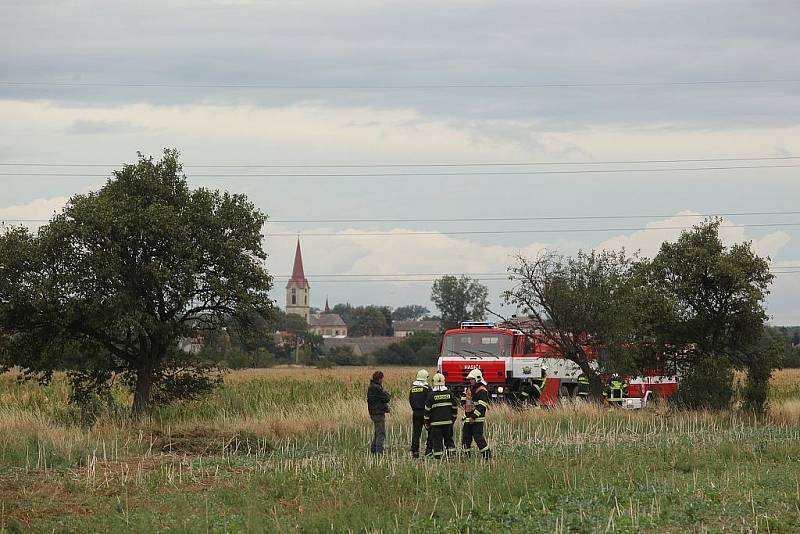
<point x="286" y="449"/>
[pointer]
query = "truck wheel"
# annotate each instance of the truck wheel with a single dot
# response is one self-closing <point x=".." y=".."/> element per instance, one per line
<point x="563" y="393"/>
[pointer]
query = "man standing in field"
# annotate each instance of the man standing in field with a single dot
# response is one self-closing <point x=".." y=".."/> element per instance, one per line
<point x="378" y="406"/>
<point x="475" y="402"/>
<point x="441" y="411"/>
<point x="416" y="398"/>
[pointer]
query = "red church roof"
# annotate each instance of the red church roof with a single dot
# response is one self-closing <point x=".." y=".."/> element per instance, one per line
<point x="297" y="272"/>
<point x="298" y="276"/>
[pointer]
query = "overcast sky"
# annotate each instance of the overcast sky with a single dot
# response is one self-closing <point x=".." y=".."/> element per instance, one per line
<point x="360" y="83"/>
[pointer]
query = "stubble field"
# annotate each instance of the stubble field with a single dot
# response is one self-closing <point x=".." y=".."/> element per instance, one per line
<point x="286" y="449"/>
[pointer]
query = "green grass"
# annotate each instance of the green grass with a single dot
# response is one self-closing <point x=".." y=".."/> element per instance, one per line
<point x="273" y="453"/>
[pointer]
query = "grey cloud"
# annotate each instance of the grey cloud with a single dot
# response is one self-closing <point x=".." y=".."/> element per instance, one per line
<point x="92" y="127"/>
<point x="413" y="43"/>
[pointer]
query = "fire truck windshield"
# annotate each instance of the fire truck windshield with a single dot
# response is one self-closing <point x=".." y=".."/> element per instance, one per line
<point x="482" y="345"/>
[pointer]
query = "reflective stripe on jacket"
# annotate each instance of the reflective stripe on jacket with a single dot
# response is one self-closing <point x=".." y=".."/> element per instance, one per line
<point x="441" y="407"/>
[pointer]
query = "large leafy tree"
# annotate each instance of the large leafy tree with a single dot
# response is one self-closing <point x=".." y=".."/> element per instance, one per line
<point x="586" y="307"/>
<point x="459" y="299"/>
<point x="370" y="321"/>
<point x="112" y="283"/>
<point x="717" y="293"/>
<point x="367" y="320"/>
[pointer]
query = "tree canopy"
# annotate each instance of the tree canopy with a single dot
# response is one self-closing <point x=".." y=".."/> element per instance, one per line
<point x="365" y="320"/>
<point x="412" y="312"/>
<point x="112" y="283"/>
<point x="696" y="308"/>
<point x="459" y="299"/>
<point x="582" y="306"/>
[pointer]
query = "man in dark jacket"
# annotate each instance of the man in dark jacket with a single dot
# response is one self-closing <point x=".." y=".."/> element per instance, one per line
<point x="416" y="399"/>
<point x="378" y="406"/>
<point x="441" y="411"/>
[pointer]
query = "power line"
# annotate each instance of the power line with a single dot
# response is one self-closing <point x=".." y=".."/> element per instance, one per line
<point x="386" y="165"/>
<point x="542" y="218"/>
<point x="536" y="231"/>
<point x="500" y="232"/>
<point x="407" y="174"/>
<point x="431" y="280"/>
<point x="370" y="87"/>
<point x="504" y="275"/>
<point x="505" y="219"/>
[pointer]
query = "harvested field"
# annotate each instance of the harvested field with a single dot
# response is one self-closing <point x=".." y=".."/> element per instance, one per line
<point x="285" y="449"/>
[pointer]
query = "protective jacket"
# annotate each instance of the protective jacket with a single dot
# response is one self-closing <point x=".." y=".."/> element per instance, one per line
<point x="480" y="398"/>
<point x="417" y="397"/>
<point x="441" y="407"/>
<point x="583" y="385"/>
<point x="616" y="390"/>
<point x="540" y="382"/>
<point x="377" y="399"/>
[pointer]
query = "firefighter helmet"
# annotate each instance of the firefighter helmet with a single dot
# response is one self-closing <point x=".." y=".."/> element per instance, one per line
<point x="438" y="379"/>
<point x="422" y="375"/>
<point x="476" y="374"/>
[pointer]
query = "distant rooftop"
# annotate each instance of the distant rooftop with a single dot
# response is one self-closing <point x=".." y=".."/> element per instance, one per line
<point x="326" y="319"/>
<point x="428" y="325"/>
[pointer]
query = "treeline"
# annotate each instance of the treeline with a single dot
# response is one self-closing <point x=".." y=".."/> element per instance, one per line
<point x="790" y="339"/>
<point x="372" y="320"/>
<point x="258" y="345"/>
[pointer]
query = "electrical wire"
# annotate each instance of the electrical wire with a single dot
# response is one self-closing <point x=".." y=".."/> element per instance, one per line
<point x="382" y="165"/>
<point x="507" y="219"/>
<point x="408" y="174"/>
<point x="533" y="231"/>
<point x="372" y="87"/>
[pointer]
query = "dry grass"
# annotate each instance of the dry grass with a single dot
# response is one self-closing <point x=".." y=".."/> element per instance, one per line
<point x="296" y="435"/>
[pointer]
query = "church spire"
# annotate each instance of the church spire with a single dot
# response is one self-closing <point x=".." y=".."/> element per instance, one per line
<point x="327" y="308"/>
<point x="297" y="271"/>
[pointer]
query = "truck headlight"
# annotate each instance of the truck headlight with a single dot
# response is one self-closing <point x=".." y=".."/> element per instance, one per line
<point x="500" y="389"/>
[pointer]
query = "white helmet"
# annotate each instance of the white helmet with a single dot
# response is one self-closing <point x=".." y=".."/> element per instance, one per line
<point x="476" y="374"/>
<point x="438" y="379"/>
<point x="422" y="375"/>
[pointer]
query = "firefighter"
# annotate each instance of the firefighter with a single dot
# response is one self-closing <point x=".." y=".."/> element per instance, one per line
<point x="476" y="402"/>
<point x="539" y="383"/>
<point x="378" y="406"/>
<point x="441" y="412"/>
<point x="416" y="398"/>
<point x="583" y="386"/>
<point x="616" y="390"/>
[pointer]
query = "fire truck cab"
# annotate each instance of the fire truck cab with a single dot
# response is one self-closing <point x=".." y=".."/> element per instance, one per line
<point x="509" y="361"/>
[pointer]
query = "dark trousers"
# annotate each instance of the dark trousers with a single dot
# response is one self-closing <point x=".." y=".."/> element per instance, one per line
<point x="442" y="438"/>
<point x="474" y="431"/>
<point x="417" y="424"/>
<point x="379" y="422"/>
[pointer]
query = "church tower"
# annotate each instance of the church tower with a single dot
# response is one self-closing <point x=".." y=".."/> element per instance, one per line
<point x="297" y="289"/>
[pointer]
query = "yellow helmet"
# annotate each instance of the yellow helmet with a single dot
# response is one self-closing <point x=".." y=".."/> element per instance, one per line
<point x="476" y="374"/>
<point x="438" y="379"/>
<point x="422" y="375"/>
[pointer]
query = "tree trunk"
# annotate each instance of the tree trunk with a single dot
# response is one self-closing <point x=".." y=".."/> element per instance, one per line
<point x="595" y="387"/>
<point x="141" y="393"/>
<point x="595" y="384"/>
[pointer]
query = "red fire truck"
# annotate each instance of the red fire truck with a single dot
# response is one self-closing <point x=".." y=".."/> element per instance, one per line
<point x="510" y="362"/>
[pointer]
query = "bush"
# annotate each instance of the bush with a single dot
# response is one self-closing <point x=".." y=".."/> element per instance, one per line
<point x="708" y="384"/>
<point x="421" y="349"/>
<point x="791" y="358"/>
<point x="345" y="356"/>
